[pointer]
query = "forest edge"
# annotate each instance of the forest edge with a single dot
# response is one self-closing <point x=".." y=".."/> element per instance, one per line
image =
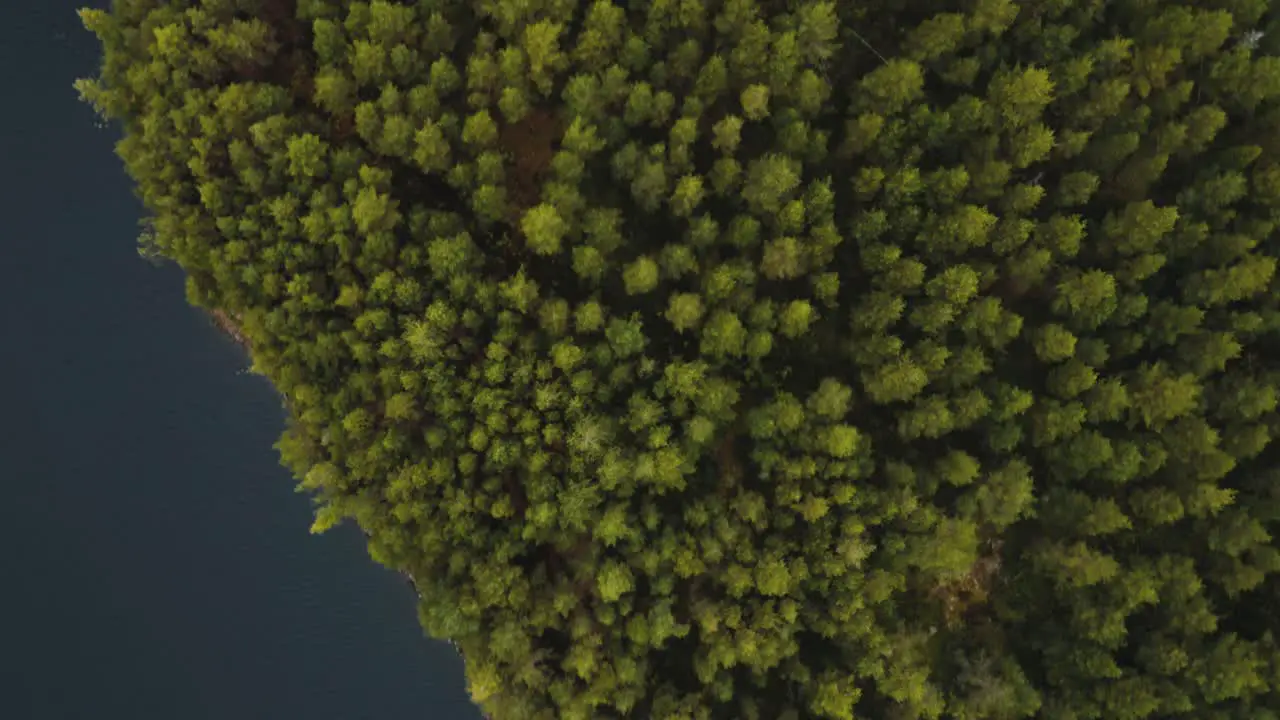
<point x="231" y="328"/>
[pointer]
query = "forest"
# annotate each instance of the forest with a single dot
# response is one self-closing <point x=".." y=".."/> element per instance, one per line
<point x="757" y="359"/>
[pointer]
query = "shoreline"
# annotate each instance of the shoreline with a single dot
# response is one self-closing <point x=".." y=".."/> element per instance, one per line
<point x="231" y="329"/>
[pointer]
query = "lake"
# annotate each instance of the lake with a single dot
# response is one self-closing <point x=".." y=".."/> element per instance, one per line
<point x="156" y="562"/>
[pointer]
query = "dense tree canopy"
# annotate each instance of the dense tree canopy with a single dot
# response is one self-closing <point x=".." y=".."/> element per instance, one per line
<point x="765" y="359"/>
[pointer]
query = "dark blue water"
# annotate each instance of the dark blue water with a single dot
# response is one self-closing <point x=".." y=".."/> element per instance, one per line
<point x="155" y="562"/>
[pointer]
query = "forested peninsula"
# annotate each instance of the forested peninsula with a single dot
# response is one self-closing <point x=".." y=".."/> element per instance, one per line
<point x="759" y="359"/>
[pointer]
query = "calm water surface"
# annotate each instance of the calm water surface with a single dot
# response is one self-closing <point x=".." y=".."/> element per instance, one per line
<point x="156" y="563"/>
